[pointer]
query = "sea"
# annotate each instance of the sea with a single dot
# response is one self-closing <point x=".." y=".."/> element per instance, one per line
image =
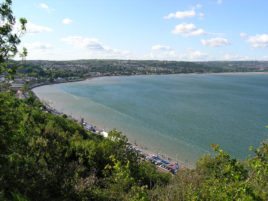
<point x="178" y="116"/>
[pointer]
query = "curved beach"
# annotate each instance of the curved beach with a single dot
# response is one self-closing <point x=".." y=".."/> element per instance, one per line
<point x="185" y="121"/>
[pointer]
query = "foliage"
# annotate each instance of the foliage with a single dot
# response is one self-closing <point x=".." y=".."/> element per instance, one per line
<point x="53" y="158"/>
<point x="220" y="177"/>
<point x="8" y="39"/>
<point x="87" y="68"/>
<point x="258" y="175"/>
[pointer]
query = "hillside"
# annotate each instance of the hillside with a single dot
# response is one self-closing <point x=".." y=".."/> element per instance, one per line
<point x="134" y="67"/>
<point x="45" y="72"/>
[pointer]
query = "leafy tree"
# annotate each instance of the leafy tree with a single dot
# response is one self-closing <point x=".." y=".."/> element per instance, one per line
<point x="8" y="39"/>
<point x="219" y="177"/>
<point x="53" y="158"/>
<point x="258" y="171"/>
<point x="23" y="54"/>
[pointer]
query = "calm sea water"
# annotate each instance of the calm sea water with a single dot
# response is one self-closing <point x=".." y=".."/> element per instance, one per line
<point x="177" y="115"/>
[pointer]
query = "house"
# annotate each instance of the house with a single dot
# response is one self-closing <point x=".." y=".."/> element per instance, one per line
<point x="16" y="87"/>
<point x="104" y="134"/>
<point x="20" y="95"/>
<point x="2" y="78"/>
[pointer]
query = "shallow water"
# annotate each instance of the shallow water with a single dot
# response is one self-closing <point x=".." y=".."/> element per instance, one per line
<point x="178" y="115"/>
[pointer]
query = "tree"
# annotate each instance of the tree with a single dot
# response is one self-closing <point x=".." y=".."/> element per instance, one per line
<point x="258" y="166"/>
<point x="23" y="54"/>
<point x="9" y="40"/>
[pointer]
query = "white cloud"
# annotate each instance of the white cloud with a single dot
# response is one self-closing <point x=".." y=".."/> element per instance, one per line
<point x="232" y="56"/>
<point x="201" y="15"/>
<point x="161" y="48"/>
<point x="94" y="48"/>
<point x="163" y="52"/>
<point x="34" y="28"/>
<point x="38" y="46"/>
<point x="197" y="6"/>
<point x="265" y="58"/>
<point x="215" y="42"/>
<point x="44" y="6"/>
<point x="219" y="1"/>
<point x="258" y="41"/>
<point x="83" y="42"/>
<point x="243" y="35"/>
<point x="40" y="50"/>
<point x="165" y="55"/>
<point x="188" y="30"/>
<point x="172" y="55"/>
<point x="67" y="21"/>
<point x="181" y="14"/>
<point x="195" y="55"/>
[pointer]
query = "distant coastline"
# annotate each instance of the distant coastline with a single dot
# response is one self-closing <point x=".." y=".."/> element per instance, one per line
<point x="43" y="72"/>
<point x="93" y="77"/>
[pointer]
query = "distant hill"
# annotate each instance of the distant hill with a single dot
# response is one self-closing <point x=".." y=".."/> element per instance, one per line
<point x="134" y="67"/>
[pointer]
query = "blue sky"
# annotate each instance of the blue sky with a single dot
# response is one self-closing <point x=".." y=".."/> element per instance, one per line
<point x="145" y="29"/>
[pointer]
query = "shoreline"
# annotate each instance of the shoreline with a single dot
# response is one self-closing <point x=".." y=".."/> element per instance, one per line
<point x="148" y="155"/>
<point x="94" y="77"/>
<point x="144" y="149"/>
<point x="52" y="83"/>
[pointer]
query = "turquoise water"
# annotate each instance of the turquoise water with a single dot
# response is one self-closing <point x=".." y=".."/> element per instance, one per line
<point x="177" y="115"/>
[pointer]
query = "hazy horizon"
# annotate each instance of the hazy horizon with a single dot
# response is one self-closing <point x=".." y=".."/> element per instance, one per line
<point x="147" y="60"/>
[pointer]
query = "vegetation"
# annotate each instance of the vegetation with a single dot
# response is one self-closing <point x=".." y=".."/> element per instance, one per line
<point x="87" y="68"/>
<point x="35" y="73"/>
<point x="220" y="178"/>
<point x="8" y="38"/>
<point x="53" y="158"/>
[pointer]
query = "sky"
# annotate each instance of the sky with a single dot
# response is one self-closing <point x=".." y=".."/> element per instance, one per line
<point x="188" y="30"/>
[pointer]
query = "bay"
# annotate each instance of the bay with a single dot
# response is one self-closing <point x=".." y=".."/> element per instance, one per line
<point x="176" y="115"/>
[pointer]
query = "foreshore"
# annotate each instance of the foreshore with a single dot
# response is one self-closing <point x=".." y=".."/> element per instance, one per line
<point x="162" y="161"/>
<point x="35" y="85"/>
<point x="143" y="150"/>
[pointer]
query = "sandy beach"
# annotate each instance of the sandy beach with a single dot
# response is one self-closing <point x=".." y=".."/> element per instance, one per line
<point x="144" y="151"/>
